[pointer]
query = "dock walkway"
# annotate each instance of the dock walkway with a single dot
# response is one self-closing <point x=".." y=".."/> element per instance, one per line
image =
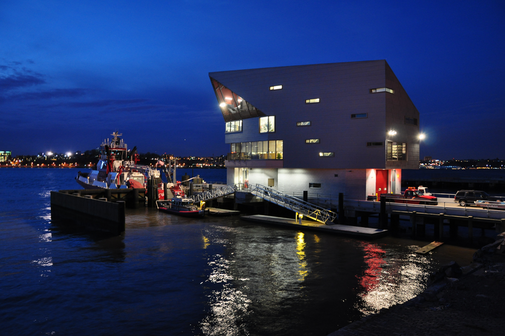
<point x="349" y="230"/>
<point x="222" y="212"/>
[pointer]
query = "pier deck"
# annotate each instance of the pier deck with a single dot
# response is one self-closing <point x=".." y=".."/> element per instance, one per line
<point x="349" y="230"/>
<point x="222" y="212"/>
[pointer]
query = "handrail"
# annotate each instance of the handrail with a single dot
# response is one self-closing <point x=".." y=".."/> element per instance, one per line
<point x="310" y="210"/>
<point x="214" y="193"/>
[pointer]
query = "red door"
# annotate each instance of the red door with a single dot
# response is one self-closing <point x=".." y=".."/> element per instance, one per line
<point x="381" y="182"/>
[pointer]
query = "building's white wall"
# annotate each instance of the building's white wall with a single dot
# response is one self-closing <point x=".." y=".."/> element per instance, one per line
<point x="353" y="183"/>
<point x="261" y="176"/>
<point x="355" y="186"/>
<point x="230" y="175"/>
<point x="333" y="182"/>
<point x="370" y="182"/>
<point x="395" y="181"/>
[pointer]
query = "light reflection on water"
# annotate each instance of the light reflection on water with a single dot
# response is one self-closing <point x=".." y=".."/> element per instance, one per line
<point x="174" y="275"/>
<point x="227" y="305"/>
<point x="390" y="278"/>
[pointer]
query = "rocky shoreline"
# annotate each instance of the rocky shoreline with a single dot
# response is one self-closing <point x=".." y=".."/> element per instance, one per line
<point x="458" y="301"/>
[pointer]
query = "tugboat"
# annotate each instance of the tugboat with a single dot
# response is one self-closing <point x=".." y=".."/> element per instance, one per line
<point x="117" y="168"/>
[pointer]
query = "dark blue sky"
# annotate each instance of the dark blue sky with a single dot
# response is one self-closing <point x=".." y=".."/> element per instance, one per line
<point x="72" y="72"/>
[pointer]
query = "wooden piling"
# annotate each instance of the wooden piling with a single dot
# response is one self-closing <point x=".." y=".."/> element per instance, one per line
<point x="413" y="223"/>
<point x="439" y="227"/>
<point x="341" y="210"/>
<point x="470" y="228"/>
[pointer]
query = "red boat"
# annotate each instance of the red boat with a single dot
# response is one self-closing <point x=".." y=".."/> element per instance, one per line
<point x="182" y="206"/>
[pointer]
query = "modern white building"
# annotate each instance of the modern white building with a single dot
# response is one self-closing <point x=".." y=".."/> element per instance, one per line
<point x="326" y="128"/>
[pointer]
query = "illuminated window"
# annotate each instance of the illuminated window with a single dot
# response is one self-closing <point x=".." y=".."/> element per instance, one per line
<point x="312" y="101"/>
<point x="233" y="126"/>
<point x="303" y="123"/>
<point x="377" y="90"/>
<point x="396" y="151"/>
<point x="311" y="141"/>
<point x="276" y="87"/>
<point x="326" y="154"/>
<point x="359" y="116"/>
<point x="257" y="150"/>
<point x="267" y="124"/>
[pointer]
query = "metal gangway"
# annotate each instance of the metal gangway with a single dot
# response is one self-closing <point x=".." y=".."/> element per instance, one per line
<point x="215" y="192"/>
<point x="310" y="210"/>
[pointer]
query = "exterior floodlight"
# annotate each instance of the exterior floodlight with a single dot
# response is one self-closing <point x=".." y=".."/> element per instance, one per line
<point x="49" y="153"/>
<point x="422" y="136"/>
<point x="392" y="132"/>
<point x="223" y="104"/>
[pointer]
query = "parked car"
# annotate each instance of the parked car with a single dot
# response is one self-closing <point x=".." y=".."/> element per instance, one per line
<point x="468" y="197"/>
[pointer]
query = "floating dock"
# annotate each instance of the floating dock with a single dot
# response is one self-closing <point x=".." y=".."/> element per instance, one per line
<point x="222" y="212"/>
<point x="348" y="230"/>
<point x="431" y="246"/>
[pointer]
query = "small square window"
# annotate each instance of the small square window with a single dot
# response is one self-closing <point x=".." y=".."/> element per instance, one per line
<point x="410" y="121"/>
<point x="303" y="123"/>
<point x="383" y="89"/>
<point x="315" y="185"/>
<point x="312" y="101"/>
<point x="359" y="116"/>
<point x="276" y="87"/>
<point x="326" y="154"/>
<point x="311" y="141"/>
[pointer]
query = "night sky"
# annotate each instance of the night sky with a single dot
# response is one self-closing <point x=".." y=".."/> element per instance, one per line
<point x="72" y="72"/>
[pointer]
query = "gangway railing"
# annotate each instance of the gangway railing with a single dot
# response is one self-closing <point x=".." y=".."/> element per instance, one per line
<point x="215" y="192"/>
<point x="310" y="210"/>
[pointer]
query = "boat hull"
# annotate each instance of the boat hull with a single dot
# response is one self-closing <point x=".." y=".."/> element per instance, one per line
<point x="185" y="213"/>
<point x="87" y="185"/>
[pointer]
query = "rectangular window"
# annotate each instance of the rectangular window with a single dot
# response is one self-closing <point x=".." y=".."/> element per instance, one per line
<point x="383" y="89"/>
<point x="374" y="144"/>
<point x="279" y="149"/>
<point x="315" y="185"/>
<point x="410" y="121"/>
<point x="267" y="124"/>
<point x="311" y="141"/>
<point x="276" y="87"/>
<point x="312" y="101"/>
<point x="271" y="150"/>
<point x="303" y="123"/>
<point x="234" y="126"/>
<point x="396" y="151"/>
<point x="257" y="150"/>
<point x="359" y="116"/>
<point x="326" y="154"/>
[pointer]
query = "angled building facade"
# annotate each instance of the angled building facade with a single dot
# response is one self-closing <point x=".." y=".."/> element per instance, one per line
<point x="326" y="128"/>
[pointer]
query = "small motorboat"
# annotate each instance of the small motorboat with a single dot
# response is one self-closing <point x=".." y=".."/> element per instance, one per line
<point x="182" y="206"/>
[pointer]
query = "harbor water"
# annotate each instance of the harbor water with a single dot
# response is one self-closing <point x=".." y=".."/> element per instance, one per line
<point x="170" y="275"/>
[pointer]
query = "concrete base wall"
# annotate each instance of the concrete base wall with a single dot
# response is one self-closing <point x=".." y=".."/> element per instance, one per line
<point x="93" y="214"/>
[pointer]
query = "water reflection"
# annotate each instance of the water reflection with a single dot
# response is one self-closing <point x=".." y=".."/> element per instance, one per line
<point x="259" y="275"/>
<point x="300" y="251"/>
<point x="390" y="278"/>
<point x="228" y="305"/>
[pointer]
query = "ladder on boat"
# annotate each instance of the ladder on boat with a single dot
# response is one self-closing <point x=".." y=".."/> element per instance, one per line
<point x="215" y="192"/>
<point x="310" y="210"/>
